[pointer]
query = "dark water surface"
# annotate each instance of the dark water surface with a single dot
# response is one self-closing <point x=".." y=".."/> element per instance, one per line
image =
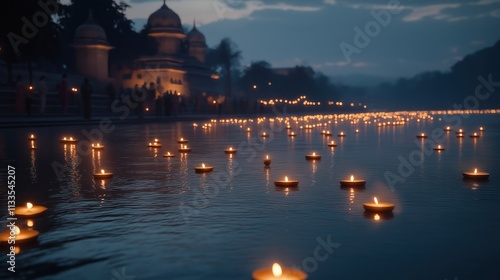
<point x="158" y="219"/>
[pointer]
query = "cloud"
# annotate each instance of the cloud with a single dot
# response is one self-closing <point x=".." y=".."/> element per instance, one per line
<point x="434" y="11"/>
<point x="330" y="2"/>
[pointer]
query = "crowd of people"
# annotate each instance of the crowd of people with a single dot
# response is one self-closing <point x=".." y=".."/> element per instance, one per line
<point x="151" y="99"/>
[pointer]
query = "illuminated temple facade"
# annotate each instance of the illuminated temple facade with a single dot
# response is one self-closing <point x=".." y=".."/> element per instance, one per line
<point x="178" y="64"/>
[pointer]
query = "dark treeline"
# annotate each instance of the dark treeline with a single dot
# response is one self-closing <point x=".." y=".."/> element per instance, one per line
<point x="441" y="90"/>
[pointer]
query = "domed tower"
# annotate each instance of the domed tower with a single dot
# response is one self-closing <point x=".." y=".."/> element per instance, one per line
<point x="166" y="27"/>
<point x="197" y="44"/>
<point x="92" y="50"/>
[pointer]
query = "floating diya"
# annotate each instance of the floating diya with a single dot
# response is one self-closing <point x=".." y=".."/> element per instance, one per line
<point x="478" y="175"/>
<point x="438" y="148"/>
<point x="97" y="146"/>
<point x="182" y="141"/>
<point x="460" y="135"/>
<point x="32" y="137"/>
<point x="248" y="129"/>
<point x="30" y="210"/>
<point x="332" y="144"/>
<point x="286" y="183"/>
<point x="481" y="129"/>
<point x="357" y="130"/>
<point x="292" y="134"/>
<point x="460" y="131"/>
<point x="313" y="156"/>
<point x="352" y="182"/>
<point x="103" y="174"/>
<point x="328" y="133"/>
<point x="68" y="140"/>
<point x="264" y="135"/>
<point x="447" y="128"/>
<point x="422" y="135"/>
<point x="267" y="161"/>
<point x="184" y="149"/>
<point x="230" y="150"/>
<point x="341" y="134"/>
<point x="154" y="144"/>
<point x="16" y="234"/>
<point x="277" y="273"/>
<point x="168" y="155"/>
<point x="474" y="135"/>
<point x="203" y="168"/>
<point x="378" y="207"/>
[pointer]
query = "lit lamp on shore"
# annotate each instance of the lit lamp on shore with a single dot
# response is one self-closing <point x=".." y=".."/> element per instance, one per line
<point x="103" y="175"/>
<point x="332" y="144"/>
<point x="184" y="149"/>
<point x="182" y="141"/>
<point x="154" y="144"/>
<point x="19" y="236"/>
<point x="438" y="148"/>
<point x="203" y="168"/>
<point x="341" y="134"/>
<point x="474" y="135"/>
<point x="352" y="182"/>
<point x="286" y="183"/>
<point x="477" y="175"/>
<point x="97" y="146"/>
<point x="168" y="155"/>
<point x="278" y="273"/>
<point x="422" y="135"/>
<point x="230" y="150"/>
<point x="30" y="210"/>
<point x="378" y="207"/>
<point x="68" y="140"/>
<point x="313" y="156"/>
<point x="267" y="161"/>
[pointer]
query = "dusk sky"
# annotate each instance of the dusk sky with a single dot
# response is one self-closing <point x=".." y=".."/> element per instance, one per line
<point x="419" y="36"/>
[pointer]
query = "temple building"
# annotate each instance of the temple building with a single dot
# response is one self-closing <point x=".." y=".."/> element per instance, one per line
<point x="92" y="48"/>
<point x="178" y="64"/>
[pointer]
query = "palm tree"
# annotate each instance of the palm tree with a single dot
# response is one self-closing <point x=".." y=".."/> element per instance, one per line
<point x="229" y="57"/>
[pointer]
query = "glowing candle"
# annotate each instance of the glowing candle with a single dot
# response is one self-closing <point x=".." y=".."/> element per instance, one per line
<point x="267" y="161"/>
<point x="103" y="174"/>
<point x="476" y="175"/>
<point x="276" y="272"/>
<point x="438" y="148"/>
<point x="168" y="155"/>
<point x="230" y="150"/>
<point x="203" y="168"/>
<point x="313" y="156"/>
<point x="378" y="207"/>
<point x="15" y="234"/>
<point x="30" y="210"/>
<point x="351" y="182"/>
<point x="286" y="183"/>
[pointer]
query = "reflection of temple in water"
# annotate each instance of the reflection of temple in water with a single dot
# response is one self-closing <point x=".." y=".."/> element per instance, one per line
<point x="178" y="67"/>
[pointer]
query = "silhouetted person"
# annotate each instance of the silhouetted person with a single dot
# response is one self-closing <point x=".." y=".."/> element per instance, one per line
<point x="63" y="93"/>
<point x="86" y="92"/>
<point x="42" y="91"/>
<point x="20" y="94"/>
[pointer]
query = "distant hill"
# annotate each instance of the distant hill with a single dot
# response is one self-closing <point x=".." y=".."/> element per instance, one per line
<point x="438" y="90"/>
<point x="361" y="80"/>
